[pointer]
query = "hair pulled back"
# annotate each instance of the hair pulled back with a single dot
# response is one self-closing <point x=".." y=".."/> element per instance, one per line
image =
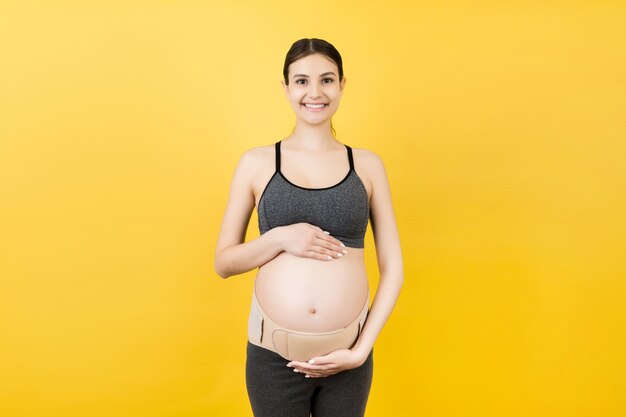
<point x="309" y="46"/>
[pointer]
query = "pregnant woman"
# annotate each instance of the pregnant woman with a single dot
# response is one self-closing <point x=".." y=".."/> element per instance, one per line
<point x="311" y="329"/>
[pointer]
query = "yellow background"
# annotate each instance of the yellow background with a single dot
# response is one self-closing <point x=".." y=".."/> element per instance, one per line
<point x="502" y="126"/>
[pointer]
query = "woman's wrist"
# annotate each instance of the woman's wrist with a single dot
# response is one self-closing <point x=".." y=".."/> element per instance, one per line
<point x="361" y="354"/>
<point x="275" y="237"/>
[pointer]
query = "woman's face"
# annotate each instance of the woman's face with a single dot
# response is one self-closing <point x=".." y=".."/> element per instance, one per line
<point x="314" y="90"/>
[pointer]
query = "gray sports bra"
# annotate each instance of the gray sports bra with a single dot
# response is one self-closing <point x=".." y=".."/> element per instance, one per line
<point x="341" y="209"/>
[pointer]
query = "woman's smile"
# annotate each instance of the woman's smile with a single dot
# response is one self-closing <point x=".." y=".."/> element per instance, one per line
<point x="314" y="107"/>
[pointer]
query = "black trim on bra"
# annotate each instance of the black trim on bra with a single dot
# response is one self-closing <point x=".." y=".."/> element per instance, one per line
<point x="316" y="189"/>
<point x="264" y="189"/>
<point x="350" y="160"/>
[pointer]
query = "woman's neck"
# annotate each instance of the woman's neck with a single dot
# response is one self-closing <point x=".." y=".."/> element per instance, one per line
<point x="313" y="137"/>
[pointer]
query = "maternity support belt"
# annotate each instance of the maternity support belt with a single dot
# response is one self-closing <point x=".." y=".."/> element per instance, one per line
<point x="300" y="346"/>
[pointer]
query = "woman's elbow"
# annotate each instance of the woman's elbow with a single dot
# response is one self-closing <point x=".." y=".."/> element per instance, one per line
<point x="222" y="274"/>
<point x="220" y="268"/>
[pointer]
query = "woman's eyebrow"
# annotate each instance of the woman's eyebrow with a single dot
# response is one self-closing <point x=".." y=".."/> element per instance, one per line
<point x="321" y="75"/>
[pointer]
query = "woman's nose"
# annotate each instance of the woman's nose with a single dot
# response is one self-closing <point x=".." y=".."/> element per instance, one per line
<point x="314" y="91"/>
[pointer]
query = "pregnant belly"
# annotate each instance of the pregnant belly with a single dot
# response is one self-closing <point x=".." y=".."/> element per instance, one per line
<point x="308" y="295"/>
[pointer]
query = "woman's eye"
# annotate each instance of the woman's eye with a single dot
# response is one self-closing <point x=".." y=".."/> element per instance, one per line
<point x="330" y="80"/>
<point x="301" y="79"/>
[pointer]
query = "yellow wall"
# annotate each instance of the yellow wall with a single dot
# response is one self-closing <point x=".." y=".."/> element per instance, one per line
<point x="502" y="127"/>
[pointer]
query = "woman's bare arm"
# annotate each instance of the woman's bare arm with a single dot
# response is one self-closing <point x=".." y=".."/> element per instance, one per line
<point x="232" y="256"/>
<point x="388" y="254"/>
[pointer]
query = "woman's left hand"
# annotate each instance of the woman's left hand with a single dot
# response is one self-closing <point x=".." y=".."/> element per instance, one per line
<point x="334" y="362"/>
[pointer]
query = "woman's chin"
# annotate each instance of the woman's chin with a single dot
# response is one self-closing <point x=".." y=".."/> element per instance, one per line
<point x="315" y="120"/>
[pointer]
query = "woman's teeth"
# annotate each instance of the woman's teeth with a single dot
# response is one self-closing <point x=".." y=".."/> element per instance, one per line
<point x="314" y="106"/>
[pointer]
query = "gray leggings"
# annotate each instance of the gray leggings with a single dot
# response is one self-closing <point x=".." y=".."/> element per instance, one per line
<point x="277" y="391"/>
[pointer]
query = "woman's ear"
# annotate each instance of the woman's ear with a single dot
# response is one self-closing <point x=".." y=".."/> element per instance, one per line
<point x="343" y="83"/>
<point x="285" y="87"/>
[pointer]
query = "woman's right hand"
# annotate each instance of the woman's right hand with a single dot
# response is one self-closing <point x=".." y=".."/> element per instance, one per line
<point x="308" y="241"/>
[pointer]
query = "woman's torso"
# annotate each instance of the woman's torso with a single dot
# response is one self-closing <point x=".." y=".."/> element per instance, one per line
<point x="305" y="294"/>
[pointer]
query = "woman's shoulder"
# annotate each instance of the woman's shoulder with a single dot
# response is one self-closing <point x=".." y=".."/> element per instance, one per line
<point x="258" y="153"/>
<point x="367" y="159"/>
<point x="256" y="160"/>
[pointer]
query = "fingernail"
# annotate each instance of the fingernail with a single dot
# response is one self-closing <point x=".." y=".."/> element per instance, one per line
<point x="312" y="361"/>
<point x="345" y="251"/>
<point x="329" y="257"/>
<point x="295" y="370"/>
<point x="306" y="376"/>
<point x="326" y="232"/>
<point x="343" y="246"/>
<point x="289" y="365"/>
<point x="339" y="254"/>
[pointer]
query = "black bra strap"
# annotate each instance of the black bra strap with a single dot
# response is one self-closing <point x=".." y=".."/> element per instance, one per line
<point x="277" y="146"/>
<point x="350" y="158"/>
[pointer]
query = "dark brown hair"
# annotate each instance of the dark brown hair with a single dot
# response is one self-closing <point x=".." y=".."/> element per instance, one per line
<point x="309" y="46"/>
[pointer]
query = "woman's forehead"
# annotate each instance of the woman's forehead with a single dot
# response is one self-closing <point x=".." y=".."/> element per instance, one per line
<point x="313" y="65"/>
